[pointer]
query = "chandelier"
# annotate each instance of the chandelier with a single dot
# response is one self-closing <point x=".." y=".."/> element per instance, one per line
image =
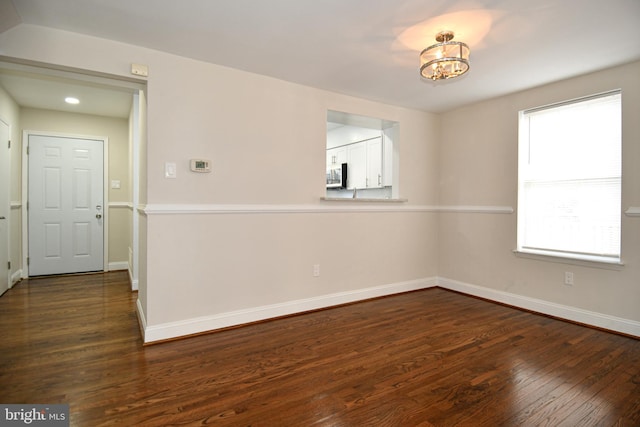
<point x="445" y="59"/>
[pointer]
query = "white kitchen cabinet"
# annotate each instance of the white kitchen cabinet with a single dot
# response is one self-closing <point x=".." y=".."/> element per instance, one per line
<point x="374" y="163"/>
<point x="336" y="156"/>
<point x="387" y="168"/>
<point x="364" y="160"/>
<point x="357" y="165"/>
<point x="365" y="164"/>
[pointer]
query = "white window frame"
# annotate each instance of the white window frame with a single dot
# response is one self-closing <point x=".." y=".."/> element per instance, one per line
<point x="523" y="156"/>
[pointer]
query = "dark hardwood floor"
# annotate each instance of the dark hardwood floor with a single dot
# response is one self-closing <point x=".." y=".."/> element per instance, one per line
<point x="427" y="358"/>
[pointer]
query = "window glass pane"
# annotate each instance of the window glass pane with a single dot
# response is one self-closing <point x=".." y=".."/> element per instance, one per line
<point x="576" y="140"/>
<point x="573" y="216"/>
<point x="570" y="177"/>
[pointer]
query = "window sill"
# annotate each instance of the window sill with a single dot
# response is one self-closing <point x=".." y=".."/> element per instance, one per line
<point x="575" y="259"/>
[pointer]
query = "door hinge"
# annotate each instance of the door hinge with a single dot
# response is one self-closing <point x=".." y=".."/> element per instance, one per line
<point x="28" y="260"/>
<point x="9" y="265"/>
<point x="27" y="150"/>
<point x="9" y="144"/>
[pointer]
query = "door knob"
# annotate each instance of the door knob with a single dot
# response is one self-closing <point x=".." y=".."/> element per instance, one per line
<point x="98" y="216"/>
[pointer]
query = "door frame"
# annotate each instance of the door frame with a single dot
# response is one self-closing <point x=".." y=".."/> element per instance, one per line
<point x="25" y="193"/>
<point x="8" y="206"/>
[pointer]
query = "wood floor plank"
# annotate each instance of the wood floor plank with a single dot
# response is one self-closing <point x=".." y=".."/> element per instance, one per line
<point x="427" y="358"/>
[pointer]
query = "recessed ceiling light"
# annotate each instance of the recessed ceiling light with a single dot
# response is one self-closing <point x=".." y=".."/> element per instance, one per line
<point x="71" y="100"/>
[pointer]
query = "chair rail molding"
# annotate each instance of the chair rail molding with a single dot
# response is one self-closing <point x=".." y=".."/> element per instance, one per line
<point x="633" y="211"/>
<point x="360" y="207"/>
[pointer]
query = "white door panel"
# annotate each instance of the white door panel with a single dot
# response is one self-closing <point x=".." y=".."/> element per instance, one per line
<point x="65" y="205"/>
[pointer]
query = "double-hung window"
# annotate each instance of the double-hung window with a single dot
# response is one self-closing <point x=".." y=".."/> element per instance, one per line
<point x="570" y="179"/>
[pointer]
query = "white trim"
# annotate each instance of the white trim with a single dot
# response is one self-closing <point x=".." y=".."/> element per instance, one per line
<point x="118" y="265"/>
<point x="127" y="205"/>
<point x="142" y="321"/>
<point x="184" y="209"/>
<point x="179" y="328"/>
<point x="362" y="200"/>
<point x="105" y="203"/>
<point x="572" y="101"/>
<point x="130" y="269"/>
<point x="600" y="320"/>
<point x="15" y="278"/>
<point x="6" y="203"/>
<point x="137" y="125"/>
<point x="571" y="258"/>
<point x="25" y="198"/>
<point x="16" y="205"/>
<point x="160" y="209"/>
<point x="633" y="211"/>
<point x="476" y="209"/>
<point x="118" y="82"/>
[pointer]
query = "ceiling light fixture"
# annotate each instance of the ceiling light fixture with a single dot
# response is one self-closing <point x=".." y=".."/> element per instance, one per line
<point x="71" y="100"/>
<point x="444" y="60"/>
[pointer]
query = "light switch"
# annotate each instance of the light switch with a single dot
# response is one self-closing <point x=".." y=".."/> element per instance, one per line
<point x="115" y="184"/>
<point x="170" y="170"/>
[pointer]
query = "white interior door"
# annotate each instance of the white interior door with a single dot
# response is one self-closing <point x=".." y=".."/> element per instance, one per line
<point x="65" y="207"/>
<point x="4" y="206"/>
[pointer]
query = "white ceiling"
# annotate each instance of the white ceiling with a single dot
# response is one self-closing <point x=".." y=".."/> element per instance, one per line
<point x="37" y="90"/>
<point x="365" y="48"/>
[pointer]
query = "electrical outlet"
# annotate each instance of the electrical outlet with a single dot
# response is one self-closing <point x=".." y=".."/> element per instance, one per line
<point x="316" y="270"/>
<point x="568" y="278"/>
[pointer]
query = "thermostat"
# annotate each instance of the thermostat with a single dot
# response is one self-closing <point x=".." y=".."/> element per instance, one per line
<point x="200" y="165"/>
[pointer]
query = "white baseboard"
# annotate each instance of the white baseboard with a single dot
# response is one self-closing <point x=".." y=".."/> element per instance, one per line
<point x="605" y="321"/>
<point x="134" y="282"/>
<point x="120" y="265"/>
<point x="239" y="317"/>
<point x="142" y="320"/>
<point x="16" y="277"/>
